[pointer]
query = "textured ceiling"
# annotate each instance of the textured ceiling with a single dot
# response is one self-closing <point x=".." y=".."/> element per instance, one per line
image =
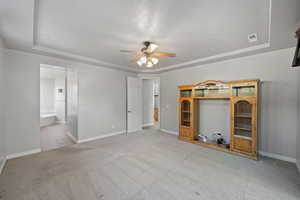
<point x="94" y="31"/>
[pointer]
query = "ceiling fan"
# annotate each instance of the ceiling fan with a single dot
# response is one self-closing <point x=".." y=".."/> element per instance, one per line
<point x="147" y="55"/>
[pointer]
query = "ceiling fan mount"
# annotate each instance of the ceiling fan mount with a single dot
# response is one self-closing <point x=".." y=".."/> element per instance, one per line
<point x="148" y="55"/>
<point x="147" y="43"/>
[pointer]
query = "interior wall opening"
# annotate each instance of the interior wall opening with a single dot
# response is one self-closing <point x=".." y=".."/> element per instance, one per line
<point x="214" y="119"/>
<point x="151" y="103"/>
<point x="54" y="132"/>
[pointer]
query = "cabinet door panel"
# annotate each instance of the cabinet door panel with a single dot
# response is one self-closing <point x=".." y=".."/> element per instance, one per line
<point x="243" y="145"/>
<point x="186" y="132"/>
<point x="243" y="126"/>
<point x="186" y="127"/>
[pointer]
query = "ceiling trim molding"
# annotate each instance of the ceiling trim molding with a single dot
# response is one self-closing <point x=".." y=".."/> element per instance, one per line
<point x="38" y="47"/>
<point x="222" y="55"/>
<point x="36" y="4"/>
<point x="270" y="20"/>
<point x="59" y="60"/>
<point x="51" y="51"/>
<point x="210" y="58"/>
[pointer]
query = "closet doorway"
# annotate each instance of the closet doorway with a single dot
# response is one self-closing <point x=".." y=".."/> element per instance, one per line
<point x="151" y="102"/>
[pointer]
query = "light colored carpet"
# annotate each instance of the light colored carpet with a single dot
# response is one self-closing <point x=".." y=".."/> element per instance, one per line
<point x="54" y="137"/>
<point x="148" y="165"/>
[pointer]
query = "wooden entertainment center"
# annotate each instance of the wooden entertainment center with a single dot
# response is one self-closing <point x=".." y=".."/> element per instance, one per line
<point x="243" y="100"/>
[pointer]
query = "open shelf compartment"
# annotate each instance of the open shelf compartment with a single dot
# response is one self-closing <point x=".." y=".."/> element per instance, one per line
<point x="243" y="91"/>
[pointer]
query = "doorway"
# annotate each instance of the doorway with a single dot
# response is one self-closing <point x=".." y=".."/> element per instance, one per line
<point x="150" y="102"/>
<point x="143" y="103"/>
<point x="55" y="131"/>
<point x="134" y="122"/>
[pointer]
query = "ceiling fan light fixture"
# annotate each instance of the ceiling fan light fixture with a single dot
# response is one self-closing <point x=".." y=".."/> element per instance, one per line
<point x="152" y="47"/>
<point x="154" y="60"/>
<point x="139" y="62"/>
<point x="147" y="55"/>
<point x="149" y="64"/>
<point x="143" y="59"/>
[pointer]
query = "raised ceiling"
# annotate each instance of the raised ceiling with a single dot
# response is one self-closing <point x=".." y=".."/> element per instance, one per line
<point x="94" y="31"/>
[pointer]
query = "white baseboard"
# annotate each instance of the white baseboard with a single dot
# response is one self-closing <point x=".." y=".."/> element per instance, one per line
<point x="72" y="137"/>
<point x="278" y="157"/>
<point x="2" y="163"/>
<point x="149" y="124"/>
<point x="101" y="137"/>
<point x="266" y="154"/>
<point x="168" y="131"/>
<point x="135" y="130"/>
<point x="25" y="153"/>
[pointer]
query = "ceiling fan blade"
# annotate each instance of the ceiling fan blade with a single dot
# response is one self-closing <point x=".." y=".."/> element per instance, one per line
<point x="164" y="54"/>
<point x="130" y="51"/>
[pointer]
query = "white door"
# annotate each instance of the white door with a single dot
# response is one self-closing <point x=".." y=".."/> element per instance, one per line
<point x="134" y="104"/>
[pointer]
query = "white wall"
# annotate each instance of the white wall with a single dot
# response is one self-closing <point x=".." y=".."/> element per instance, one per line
<point x="47" y="96"/>
<point x="2" y="92"/>
<point x="278" y="96"/>
<point x="101" y="99"/>
<point x="148" y="101"/>
<point x="214" y="117"/>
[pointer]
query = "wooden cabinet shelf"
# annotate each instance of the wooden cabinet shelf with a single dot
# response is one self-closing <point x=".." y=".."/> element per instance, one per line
<point x="243" y="100"/>
<point x="243" y="137"/>
<point x="243" y="90"/>
<point x="186" y="93"/>
<point x="186" y="111"/>
<point x="243" y="129"/>
<point x="213" y="97"/>
<point x="243" y="115"/>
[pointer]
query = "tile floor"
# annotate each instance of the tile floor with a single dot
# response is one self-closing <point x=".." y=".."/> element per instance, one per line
<point x="147" y="165"/>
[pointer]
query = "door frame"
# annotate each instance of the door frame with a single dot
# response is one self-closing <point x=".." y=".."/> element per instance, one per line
<point x="140" y="91"/>
<point x="157" y="78"/>
<point x="65" y="69"/>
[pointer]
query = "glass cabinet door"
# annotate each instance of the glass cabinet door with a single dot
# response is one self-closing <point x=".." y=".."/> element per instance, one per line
<point x="186" y="113"/>
<point x="243" y="138"/>
<point x="243" y="118"/>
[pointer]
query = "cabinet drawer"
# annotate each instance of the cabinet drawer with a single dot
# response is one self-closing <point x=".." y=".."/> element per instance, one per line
<point x="243" y="145"/>
<point x="186" y="132"/>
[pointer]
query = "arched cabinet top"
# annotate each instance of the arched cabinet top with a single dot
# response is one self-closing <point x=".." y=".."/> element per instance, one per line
<point x="217" y="89"/>
<point x="212" y="84"/>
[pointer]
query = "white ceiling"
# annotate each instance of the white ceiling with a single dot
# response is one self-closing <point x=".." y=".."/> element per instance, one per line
<point x="197" y="31"/>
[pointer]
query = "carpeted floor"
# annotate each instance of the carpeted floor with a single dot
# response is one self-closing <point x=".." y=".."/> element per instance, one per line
<point x="54" y="137"/>
<point x="148" y="165"/>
